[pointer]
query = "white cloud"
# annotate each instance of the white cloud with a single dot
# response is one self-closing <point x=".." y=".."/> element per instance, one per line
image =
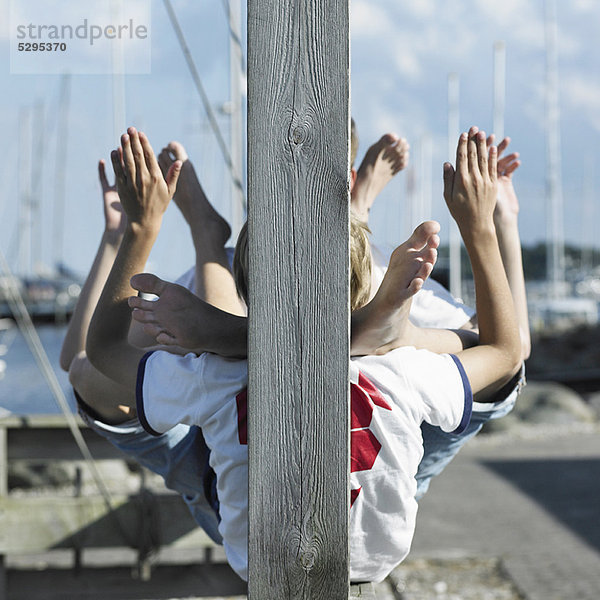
<point x="584" y="6"/>
<point x="369" y="20"/>
<point x="582" y="94"/>
<point x="408" y="64"/>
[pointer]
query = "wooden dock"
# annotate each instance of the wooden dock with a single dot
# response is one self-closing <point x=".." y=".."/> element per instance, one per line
<point x="69" y="544"/>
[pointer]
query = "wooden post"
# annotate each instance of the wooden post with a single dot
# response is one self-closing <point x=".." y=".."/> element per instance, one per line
<point x="298" y="179"/>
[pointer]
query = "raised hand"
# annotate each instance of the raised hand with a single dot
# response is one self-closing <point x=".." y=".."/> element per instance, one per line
<point x="470" y="190"/>
<point x="115" y="218"/>
<point x="507" y="206"/>
<point x="144" y="192"/>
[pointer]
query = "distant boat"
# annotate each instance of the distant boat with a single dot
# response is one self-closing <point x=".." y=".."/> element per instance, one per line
<point x="45" y="297"/>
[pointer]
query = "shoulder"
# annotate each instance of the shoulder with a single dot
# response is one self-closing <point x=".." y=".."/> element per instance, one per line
<point x="186" y="389"/>
<point x="434" y="382"/>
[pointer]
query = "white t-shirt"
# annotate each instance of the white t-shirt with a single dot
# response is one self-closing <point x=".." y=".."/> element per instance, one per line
<point x="391" y="395"/>
<point x="433" y="305"/>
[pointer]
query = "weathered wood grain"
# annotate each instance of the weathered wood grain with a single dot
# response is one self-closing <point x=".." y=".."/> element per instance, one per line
<point x="35" y="524"/>
<point x="298" y="180"/>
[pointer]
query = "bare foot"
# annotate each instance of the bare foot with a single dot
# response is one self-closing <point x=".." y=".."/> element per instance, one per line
<point x="191" y="199"/>
<point x="179" y="318"/>
<point x="383" y="160"/>
<point x="383" y="323"/>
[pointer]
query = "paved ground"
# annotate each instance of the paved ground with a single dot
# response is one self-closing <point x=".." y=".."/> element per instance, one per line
<point x="516" y="516"/>
<point x="531" y="502"/>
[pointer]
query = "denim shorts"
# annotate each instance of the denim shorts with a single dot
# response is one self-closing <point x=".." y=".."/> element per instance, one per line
<point x="179" y="456"/>
<point x="439" y="447"/>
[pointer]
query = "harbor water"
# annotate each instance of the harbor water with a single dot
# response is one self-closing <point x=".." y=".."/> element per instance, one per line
<point x="23" y="388"/>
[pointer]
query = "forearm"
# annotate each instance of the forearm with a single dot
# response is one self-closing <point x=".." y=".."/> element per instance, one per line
<point x="75" y="338"/>
<point x="510" y="249"/>
<point x="107" y="346"/>
<point x="498" y="331"/>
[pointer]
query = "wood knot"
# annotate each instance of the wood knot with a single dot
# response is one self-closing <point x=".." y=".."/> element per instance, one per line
<point x="307" y="559"/>
<point x="298" y="135"/>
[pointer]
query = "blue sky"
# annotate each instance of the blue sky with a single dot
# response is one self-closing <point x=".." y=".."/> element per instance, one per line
<point x="402" y="53"/>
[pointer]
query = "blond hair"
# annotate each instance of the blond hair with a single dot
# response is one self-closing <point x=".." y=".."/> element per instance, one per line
<point x="360" y="263"/>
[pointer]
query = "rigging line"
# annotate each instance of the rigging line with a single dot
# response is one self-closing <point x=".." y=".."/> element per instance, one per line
<point x="21" y="315"/>
<point x="205" y="101"/>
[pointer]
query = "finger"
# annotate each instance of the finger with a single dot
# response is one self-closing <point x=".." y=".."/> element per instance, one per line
<point x="482" y="152"/>
<point x="164" y="161"/>
<point x="148" y="283"/>
<point x="128" y="160"/>
<point x="503" y="145"/>
<point x="493" y="164"/>
<point x="138" y="153"/>
<point x="117" y="163"/>
<point x="448" y="181"/>
<point x="462" y="166"/>
<point x="490" y="139"/>
<point x="173" y="176"/>
<point x="149" y="156"/>
<point x="472" y="155"/>
<point x="511" y="168"/>
<point x="102" y="174"/>
<point x="505" y="161"/>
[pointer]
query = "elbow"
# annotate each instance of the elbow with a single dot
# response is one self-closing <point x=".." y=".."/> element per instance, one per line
<point x="514" y="360"/>
<point x="94" y="351"/>
<point x="66" y="358"/>
<point x="75" y="370"/>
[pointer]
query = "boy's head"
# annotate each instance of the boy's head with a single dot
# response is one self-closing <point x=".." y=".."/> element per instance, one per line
<point x="360" y="263"/>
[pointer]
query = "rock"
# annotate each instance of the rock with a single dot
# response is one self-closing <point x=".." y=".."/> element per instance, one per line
<point x="546" y="403"/>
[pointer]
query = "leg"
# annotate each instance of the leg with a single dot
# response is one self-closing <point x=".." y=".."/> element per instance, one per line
<point x="179" y="318"/>
<point x="383" y="323"/>
<point x="180" y="456"/>
<point x="383" y="160"/>
<point x="210" y="232"/>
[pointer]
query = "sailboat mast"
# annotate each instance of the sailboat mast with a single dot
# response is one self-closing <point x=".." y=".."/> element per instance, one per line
<point x="453" y="132"/>
<point x="555" y="233"/>
<point x="37" y="175"/>
<point x="62" y="134"/>
<point x="118" y="76"/>
<point x="24" y="231"/>
<point x="499" y="89"/>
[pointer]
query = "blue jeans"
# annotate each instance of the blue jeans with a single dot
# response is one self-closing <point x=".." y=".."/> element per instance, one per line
<point x="180" y="456"/>
<point x="439" y="447"/>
